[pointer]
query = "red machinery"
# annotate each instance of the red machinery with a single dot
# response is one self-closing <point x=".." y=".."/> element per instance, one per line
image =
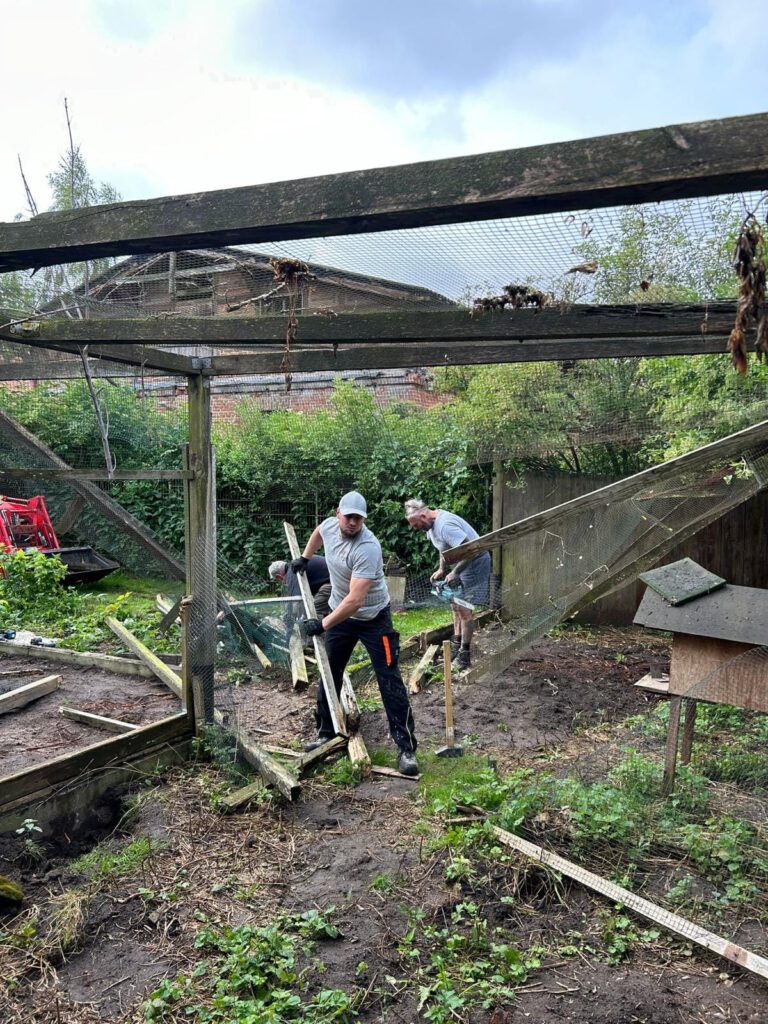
<point x="25" y="523"/>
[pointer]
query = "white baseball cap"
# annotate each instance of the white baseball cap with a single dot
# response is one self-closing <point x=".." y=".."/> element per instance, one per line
<point x="353" y="504"/>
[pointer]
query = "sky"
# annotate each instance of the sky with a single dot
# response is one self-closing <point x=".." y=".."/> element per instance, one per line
<point x="174" y="96"/>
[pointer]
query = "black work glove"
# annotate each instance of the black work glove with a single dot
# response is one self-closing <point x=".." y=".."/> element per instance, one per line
<point x="311" y="627"/>
<point x="300" y="564"/>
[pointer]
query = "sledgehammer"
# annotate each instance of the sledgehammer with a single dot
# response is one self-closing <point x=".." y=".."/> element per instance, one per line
<point x="451" y="748"/>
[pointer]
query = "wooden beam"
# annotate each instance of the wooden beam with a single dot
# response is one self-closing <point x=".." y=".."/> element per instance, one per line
<point x="416" y="677"/>
<point x="617" y="894"/>
<point x="356" y="748"/>
<point x="723" y="449"/>
<point x="234" y="801"/>
<point x="337" y="715"/>
<point x="673" y="162"/>
<point x="45" y="334"/>
<point x="90" y="659"/>
<point x="35" y="472"/>
<point x="99" y="756"/>
<point x="105" y="338"/>
<point x="268" y="767"/>
<point x="159" y="668"/>
<point x="24" y="695"/>
<point x="321" y="752"/>
<point x="298" y="662"/>
<point x="97" y="721"/>
<point x="93" y="495"/>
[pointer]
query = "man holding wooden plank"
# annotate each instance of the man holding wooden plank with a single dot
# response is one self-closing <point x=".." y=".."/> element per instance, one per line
<point x="318" y="578"/>
<point x="360" y="610"/>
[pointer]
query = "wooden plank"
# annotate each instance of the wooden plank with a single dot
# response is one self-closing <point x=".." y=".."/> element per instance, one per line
<point x="92" y="474"/>
<point x="299" y="672"/>
<point x="321" y="752"/>
<point x="450" y="326"/>
<point x="32" y="334"/>
<point x="170" y="610"/>
<point x="358" y="753"/>
<point x="97" y="721"/>
<point x="71" y="514"/>
<point x="268" y="767"/>
<point x="677" y="161"/>
<point x="234" y="801"/>
<point x="416" y="677"/>
<point x="94" y="496"/>
<point x="653" y="684"/>
<point x="393" y="773"/>
<point x="722" y="449"/>
<point x="24" y="695"/>
<point x="159" y="668"/>
<point x="337" y="715"/>
<point x="617" y="894"/>
<point x="689" y="726"/>
<point x="107" y="662"/>
<point x="94" y="758"/>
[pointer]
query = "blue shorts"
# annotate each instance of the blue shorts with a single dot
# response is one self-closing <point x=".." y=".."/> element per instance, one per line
<point x="476" y="581"/>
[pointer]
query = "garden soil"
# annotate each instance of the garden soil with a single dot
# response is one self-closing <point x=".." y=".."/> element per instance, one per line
<point x="358" y="850"/>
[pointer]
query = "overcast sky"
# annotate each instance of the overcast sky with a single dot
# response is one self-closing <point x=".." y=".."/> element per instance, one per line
<point x="173" y="96"/>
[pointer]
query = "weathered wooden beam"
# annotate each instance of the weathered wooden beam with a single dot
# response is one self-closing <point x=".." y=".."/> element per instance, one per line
<point x="160" y="669"/>
<point x="94" y="474"/>
<point x="617" y="894"/>
<point x="267" y="766"/>
<point x="416" y="677"/>
<point x="337" y="715"/>
<point x="356" y="748"/>
<point x="672" y="162"/>
<point x="234" y="801"/>
<point x="106" y="662"/>
<point x="35" y="334"/>
<point x="321" y="752"/>
<point x="106" y="338"/>
<point x="24" y="695"/>
<point x="97" y="721"/>
<point x="93" y="495"/>
<point x="46" y="778"/>
<point x="298" y="661"/>
<point x="723" y="449"/>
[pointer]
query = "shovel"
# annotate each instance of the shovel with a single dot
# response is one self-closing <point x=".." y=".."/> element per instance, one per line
<point x="451" y="748"/>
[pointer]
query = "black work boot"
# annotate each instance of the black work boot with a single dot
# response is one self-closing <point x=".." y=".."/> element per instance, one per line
<point x="462" y="661"/>
<point x="314" y="744"/>
<point x="407" y="763"/>
<point x="455" y="645"/>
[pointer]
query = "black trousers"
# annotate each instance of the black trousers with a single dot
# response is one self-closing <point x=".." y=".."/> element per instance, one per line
<point x="382" y="643"/>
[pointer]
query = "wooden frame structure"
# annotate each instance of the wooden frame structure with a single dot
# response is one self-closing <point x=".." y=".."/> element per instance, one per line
<point x="674" y="162"/>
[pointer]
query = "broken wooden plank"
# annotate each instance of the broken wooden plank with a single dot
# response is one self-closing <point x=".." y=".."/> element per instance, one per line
<point x="159" y="668"/>
<point x="617" y="894"/>
<point x="170" y="610"/>
<point x="416" y="677"/>
<point x="299" y="672"/>
<point x="81" y="659"/>
<point x="337" y="715"/>
<point x="393" y="773"/>
<point x="23" y="695"/>
<point x="234" y="801"/>
<point x="320" y="753"/>
<point x="672" y="162"/>
<point x="282" y="751"/>
<point x="358" y="753"/>
<point x="267" y="766"/>
<point x="98" y="721"/>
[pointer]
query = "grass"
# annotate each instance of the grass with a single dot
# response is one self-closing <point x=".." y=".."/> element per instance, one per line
<point x="417" y="620"/>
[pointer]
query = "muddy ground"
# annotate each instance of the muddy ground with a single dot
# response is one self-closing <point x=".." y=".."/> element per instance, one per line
<point x="38" y="732"/>
<point x="333" y="847"/>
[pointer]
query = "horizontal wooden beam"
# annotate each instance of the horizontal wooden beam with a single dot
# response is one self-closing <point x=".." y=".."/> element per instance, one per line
<point x="678" y="161"/>
<point x="97" y="474"/>
<point x="588" y="322"/>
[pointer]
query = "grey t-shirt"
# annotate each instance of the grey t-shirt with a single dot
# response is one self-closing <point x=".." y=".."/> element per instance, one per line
<point x="449" y="530"/>
<point x="358" y="556"/>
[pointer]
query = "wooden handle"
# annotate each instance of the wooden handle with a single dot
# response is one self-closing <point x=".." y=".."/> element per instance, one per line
<point x="449" y="734"/>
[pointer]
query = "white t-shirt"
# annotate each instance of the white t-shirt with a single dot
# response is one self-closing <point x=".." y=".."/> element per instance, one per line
<point x="358" y="556"/>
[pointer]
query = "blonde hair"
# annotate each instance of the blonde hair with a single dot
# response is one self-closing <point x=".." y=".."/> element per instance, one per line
<point x="413" y="506"/>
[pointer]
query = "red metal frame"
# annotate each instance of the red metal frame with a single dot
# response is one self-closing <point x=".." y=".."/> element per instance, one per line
<point x="25" y="523"/>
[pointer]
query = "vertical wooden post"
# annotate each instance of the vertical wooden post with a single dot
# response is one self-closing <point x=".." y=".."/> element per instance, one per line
<point x="689" y="725"/>
<point x="201" y="550"/>
<point x="497" y="513"/>
<point x="670" y="760"/>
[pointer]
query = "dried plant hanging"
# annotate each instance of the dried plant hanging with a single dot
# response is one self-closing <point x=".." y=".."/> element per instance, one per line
<point x="749" y="264"/>
<point x="291" y="273"/>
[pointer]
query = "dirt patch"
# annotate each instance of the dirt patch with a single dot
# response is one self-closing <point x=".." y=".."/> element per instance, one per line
<point x="38" y="733"/>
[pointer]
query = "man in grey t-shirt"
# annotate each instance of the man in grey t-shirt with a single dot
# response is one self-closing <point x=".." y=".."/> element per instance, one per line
<point x="359" y="604"/>
<point x="447" y="530"/>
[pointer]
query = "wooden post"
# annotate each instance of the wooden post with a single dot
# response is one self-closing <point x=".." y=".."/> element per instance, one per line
<point x="670" y="758"/>
<point x="337" y="715"/>
<point x="414" y="682"/>
<point x="201" y="549"/>
<point x="497" y="514"/>
<point x="689" y="726"/>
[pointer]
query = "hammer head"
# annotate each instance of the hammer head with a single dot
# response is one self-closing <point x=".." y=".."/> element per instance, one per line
<point x="454" y="750"/>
